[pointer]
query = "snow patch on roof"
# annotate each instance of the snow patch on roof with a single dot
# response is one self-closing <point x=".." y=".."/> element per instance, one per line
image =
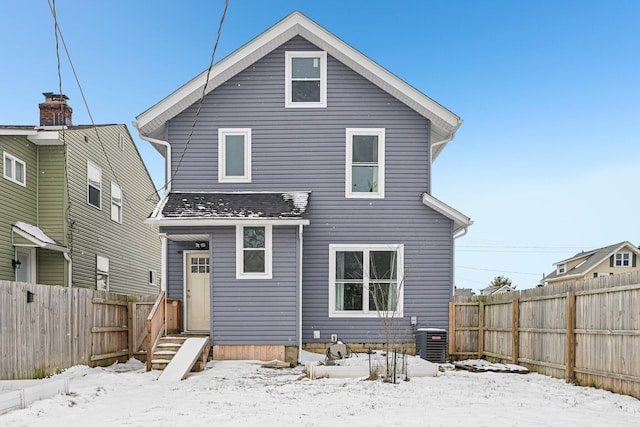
<point x="35" y="232"/>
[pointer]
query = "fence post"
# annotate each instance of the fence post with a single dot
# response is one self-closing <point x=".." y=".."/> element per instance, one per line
<point x="452" y="328"/>
<point x="570" y="339"/>
<point x="515" y="325"/>
<point x="480" y="330"/>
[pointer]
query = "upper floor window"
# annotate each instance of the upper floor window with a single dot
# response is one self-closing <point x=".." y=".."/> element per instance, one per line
<point x="14" y="169"/>
<point x="116" y="202"/>
<point x="94" y="185"/>
<point x="121" y="142"/>
<point x="561" y="268"/>
<point x="365" y="280"/>
<point x="365" y="163"/>
<point x="306" y="79"/>
<point x="253" y="252"/>
<point x="622" y="259"/>
<point x="234" y="155"/>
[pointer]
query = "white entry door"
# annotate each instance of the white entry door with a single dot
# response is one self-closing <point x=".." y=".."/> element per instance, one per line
<point x="26" y="269"/>
<point x="197" y="291"/>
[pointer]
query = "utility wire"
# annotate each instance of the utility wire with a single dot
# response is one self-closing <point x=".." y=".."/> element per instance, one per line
<point x="84" y="99"/>
<point x="204" y="92"/>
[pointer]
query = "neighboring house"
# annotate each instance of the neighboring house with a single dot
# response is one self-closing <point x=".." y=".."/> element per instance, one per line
<point x="298" y="207"/>
<point x="619" y="258"/>
<point x="74" y="200"/>
<point x="495" y="290"/>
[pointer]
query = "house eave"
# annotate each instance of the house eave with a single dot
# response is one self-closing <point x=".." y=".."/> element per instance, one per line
<point x="37" y="242"/>
<point x="152" y="122"/>
<point x="221" y="222"/>
<point x="460" y="220"/>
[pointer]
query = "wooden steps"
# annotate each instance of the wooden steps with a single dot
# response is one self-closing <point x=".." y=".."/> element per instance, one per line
<point x="167" y="348"/>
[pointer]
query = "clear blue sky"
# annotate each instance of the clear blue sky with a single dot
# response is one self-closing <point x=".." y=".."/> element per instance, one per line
<point x="546" y="162"/>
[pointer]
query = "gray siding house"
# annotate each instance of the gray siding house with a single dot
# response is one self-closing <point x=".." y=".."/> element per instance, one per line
<point x="298" y="207"/>
<point x="74" y="201"/>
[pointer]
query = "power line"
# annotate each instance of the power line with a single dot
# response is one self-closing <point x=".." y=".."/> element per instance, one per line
<point x="84" y="99"/>
<point x="204" y="92"/>
<point x="497" y="271"/>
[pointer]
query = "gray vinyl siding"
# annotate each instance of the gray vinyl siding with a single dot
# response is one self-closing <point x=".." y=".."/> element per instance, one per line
<point x="304" y="149"/>
<point x="131" y="246"/>
<point x="17" y="203"/>
<point x="245" y="311"/>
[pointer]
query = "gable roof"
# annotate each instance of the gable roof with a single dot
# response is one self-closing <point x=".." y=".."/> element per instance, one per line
<point x="444" y="123"/>
<point x="590" y="260"/>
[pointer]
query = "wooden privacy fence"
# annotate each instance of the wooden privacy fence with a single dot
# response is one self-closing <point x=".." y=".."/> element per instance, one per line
<point x="587" y="332"/>
<point x="44" y="329"/>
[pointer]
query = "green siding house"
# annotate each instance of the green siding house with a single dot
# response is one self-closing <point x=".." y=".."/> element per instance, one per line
<point x="74" y="200"/>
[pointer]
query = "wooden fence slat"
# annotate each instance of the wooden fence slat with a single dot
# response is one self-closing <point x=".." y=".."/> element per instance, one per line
<point x="585" y="332"/>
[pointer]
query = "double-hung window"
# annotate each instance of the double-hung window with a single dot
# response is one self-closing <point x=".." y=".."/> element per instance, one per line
<point x="365" y="163"/>
<point x="94" y="185"/>
<point x="622" y="259"/>
<point x="365" y="281"/>
<point x="116" y="202"/>
<point x="14" y="169"/>
<point x="253" y="252"/>
<point x="234" y="155"/>
<point x="306" y="79"/>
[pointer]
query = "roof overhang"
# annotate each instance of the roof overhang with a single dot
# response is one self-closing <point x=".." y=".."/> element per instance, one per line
<point x="222" y="222"/>
<point x="444" y="123"/>
<point x="35" y="237"/>
<point x="460" y="221"/>
<point x="37" y="136"/>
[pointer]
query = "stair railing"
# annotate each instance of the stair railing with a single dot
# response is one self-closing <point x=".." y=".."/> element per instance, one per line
<point x="156" y="326"/>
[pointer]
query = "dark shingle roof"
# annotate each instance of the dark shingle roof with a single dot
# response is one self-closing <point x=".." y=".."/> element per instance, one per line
<point x="292" y="205"/>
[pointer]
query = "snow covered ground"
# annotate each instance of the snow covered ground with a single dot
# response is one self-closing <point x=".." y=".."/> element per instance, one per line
<point x="242" y="393"/>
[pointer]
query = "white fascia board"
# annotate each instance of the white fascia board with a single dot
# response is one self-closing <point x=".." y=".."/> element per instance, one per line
<point x="153" y="119"/>
<point x="460" y="220"/>
<point x="219" y="222"/>
<point x="46" y="138"/>
<point x="18" y="132"/>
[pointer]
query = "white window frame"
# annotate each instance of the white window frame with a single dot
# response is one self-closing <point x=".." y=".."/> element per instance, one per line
<point x="366" y="249"/>
<point x="561" y="269"/>
<point x="623" y="260"/>
<point x="268" y="256"/>
<point x="222" y="155"/>
<point x="99" y="170"/>
<point x="12" y="175"/>
<point x="322" y="57"/>
<point x="350" y="133"/>
<point x="153" y="277"/>
<point x="115" y="204"/>
<point x="102" y="268"/>
<point x="121" y="141"/>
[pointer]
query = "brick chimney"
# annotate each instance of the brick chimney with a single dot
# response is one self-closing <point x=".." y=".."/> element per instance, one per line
<point x="54" y="111"/>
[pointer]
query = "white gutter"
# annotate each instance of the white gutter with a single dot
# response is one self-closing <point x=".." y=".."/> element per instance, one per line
<point x="300" y="293"/>
<point x="167" y="157"/>
<point x="220" y="222"/>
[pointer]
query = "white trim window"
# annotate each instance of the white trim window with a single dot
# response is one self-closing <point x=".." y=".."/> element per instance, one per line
<point x="102" y="273"/>
<point x="153" y="277"/>
<point x="94" y="185"/>
<point x="306" y="79"/>
<point x="622" y="259"/>
<point x="116" y="202"/>
<point x="253" y="252"/>
<point x="365" y="163"/>
<point x="561" y="268"/>
<point x="366" y="280"/>
<point x="234" y="155"/>
<point x="121" y="141"/>
<point x="15" y="170"/>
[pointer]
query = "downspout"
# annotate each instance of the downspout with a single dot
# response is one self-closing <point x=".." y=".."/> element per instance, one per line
<point x="163" y="262"/>
<point x="453" y="258"/>
<point x="300" y="293"/>
<point x="69" y="298"/>
<point x="167" y="163"/>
